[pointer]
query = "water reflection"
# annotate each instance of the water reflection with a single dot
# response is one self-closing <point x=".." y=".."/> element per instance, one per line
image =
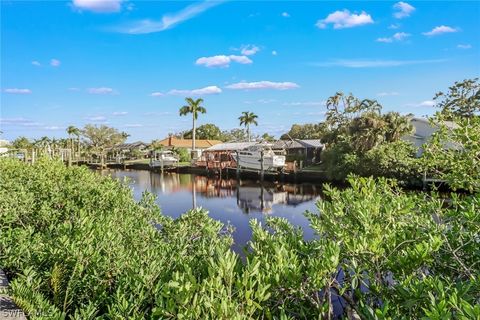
<point x="250" y="195"/>
<point x="228" y="200"/>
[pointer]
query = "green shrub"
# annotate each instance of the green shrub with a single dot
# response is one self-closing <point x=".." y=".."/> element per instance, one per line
<point x="392" y="160"/>
<point x="76" y="245"/>
<point x="183" y="154"/>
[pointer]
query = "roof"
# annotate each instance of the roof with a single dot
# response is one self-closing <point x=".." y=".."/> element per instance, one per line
<point x="311" y="143"/>
<point x="187" y="143"/>
<point x="131" y="145"/>
<point x="231" y="146"/>
<point x="297" y="144"/>
<point x="448" y="124"/>
<point x="287" y="144"/>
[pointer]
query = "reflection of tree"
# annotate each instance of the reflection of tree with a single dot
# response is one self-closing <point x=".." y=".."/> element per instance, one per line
<point x="194" y="193"/>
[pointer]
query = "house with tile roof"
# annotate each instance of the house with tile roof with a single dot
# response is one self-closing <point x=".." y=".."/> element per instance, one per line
<point x="172" y="142"/>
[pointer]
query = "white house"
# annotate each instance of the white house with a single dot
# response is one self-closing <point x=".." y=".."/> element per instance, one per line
<point x="423" y="131"/>
<point x="3" y="146"/>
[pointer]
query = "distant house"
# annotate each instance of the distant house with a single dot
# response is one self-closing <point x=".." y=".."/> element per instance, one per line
<point x="3" y="146"/>
<point x="423" y="131"/>
<point x="307" y="150"/>
<point x="137" y="149"/>
<point x="221" y="155"/>
<point x="172" y="142"/>
<point x="139" y="145"/>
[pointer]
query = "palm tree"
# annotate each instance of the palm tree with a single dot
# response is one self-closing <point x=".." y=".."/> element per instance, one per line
<point x="194" y="107"/>
<point x="367" y="131"/>
<point x="397" y="126"/>
<point x="246" y="119"/>
<point x="73" y="131"/>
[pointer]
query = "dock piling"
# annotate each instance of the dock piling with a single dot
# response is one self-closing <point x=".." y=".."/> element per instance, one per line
<point x="262" y="169"/>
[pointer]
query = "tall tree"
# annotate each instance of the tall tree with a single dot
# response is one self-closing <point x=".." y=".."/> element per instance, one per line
<point x="101" y="138"/>
<point x="206" y="131"/>
<point x="21" y="143"/>
<point x="194" y="107"/>
<point x="462" y="100"/>
<point x="367" y="131"/>
<point x="43" y="143"/>
<point x="247" y="118"/>
<point x="73" y="131"/>
<point x="396" y="126"/>
<point x="305" y="131"/>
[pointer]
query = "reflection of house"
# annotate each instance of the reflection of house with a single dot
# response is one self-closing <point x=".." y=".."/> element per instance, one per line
<point x="258" y="198"/>
<point x="423" y="130"/>
<point x="304" y="150"/>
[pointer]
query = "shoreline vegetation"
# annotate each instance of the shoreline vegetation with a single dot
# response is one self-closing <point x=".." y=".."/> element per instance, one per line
<point x="77" y="245"/>
<point x="358" y="138"/>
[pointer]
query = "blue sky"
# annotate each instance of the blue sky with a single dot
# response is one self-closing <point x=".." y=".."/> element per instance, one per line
<point x="130" y="64"/>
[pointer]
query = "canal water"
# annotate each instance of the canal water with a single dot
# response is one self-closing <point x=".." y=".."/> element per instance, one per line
<point x="231" y="201"/>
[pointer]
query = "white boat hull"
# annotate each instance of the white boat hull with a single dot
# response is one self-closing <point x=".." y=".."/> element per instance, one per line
<point x="271" y="163"/>
<point x="164" y="163"/>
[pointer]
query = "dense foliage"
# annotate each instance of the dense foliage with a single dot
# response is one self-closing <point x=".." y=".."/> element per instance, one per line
<point x="462" y="100"/>
<point x="183" y="154"/>
<point x="453" y="154"/>
<point x="100" y="139"/>
<point x="304" y="131"/>
<point x="360" y="139"/>
<point x="76" y="245"/>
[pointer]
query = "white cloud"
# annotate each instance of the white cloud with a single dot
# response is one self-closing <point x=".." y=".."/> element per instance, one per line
<point x="101" y="90"/>
<point x="222" y="61"/>
<point x="53" y="128"/>
<point x="274" y="53"/>
<point x="97" y="118"/>
<point x="55" y="63"/>
<point x="385" y="40"/>
<point x="386" y="94"/>
<point x="36" y="63"/>
<point x="399" y="36"/>
<point x="100" y="6"/>
<point x="260" y="101"/>
<point x="464" y="46"/>
<point x="426" y="103"/>
<point x="394" y="26"/>
<point x="285" y="15"/>
<point x="403" y="10"/>
<point x="196" y="92"/>
<point x="440" y="30"/>
<point x="249" y="50"/>
<point x="170" y="20"/>
<point x="304" y="103"/>
<point x="120" y="113"/>
<point x="19" y="122"/>
<point x="157" y="94"/>
<point x="373" y="63"/>
<point x="17" y="91"/>
<point x="345" y="19"/>
<point x="165" y="113"/>
<point x="263" y="85"/>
